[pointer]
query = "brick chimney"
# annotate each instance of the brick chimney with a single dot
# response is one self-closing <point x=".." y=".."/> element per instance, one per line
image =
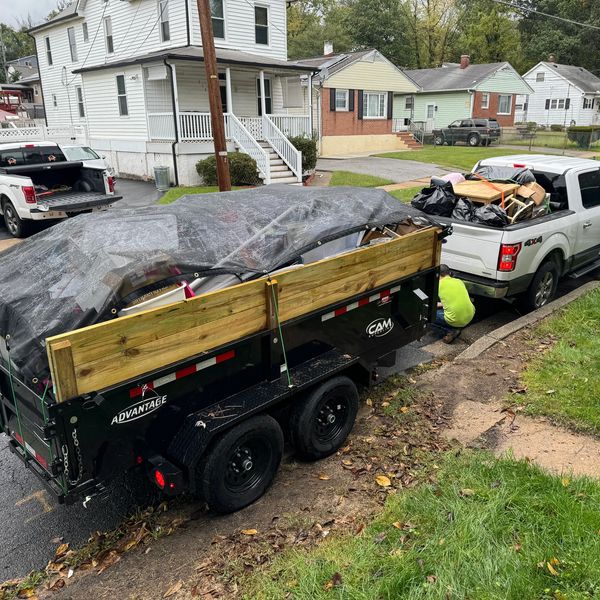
<point x="327" y="48"/>
<point x="465" y="61"/>
<point x="552" y="58"/>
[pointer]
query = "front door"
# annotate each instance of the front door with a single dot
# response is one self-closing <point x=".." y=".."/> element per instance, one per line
<point x="587" y="243"/>
<point x="223" y="91"/>
<point x="268" y="99"/>
<point x="429" y="117"/>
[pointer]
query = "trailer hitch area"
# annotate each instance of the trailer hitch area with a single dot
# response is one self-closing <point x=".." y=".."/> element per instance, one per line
<point x="165" y="475"/>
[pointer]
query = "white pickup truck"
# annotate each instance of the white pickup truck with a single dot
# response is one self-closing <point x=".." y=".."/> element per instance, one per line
<point x="37" y="183"/>
<point x="527" y="259"/>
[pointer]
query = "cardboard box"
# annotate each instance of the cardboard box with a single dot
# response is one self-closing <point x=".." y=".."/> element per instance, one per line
<point x="532" y="191"/>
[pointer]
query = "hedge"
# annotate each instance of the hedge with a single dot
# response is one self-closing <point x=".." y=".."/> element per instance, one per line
<point x="308" y="147"/>
<point x="583" y="135"/>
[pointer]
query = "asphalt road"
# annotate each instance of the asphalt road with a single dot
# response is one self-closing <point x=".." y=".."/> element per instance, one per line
<point x="32" y="522"/>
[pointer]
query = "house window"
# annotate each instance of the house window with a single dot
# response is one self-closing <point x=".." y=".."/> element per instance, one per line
<point x="54" y="101"/>
<point x="553" y="103"/>
<point x="48" y="51"/>
<point x="268" y="99"/>
<point x="261" y="25"/>
<point x="409" y="103"/>
<point x="108" y="35"/>
<point x="588" y="102"/>
<point x="163" y="12"/>
<point x="541" y="76"/>
<point x="36" y="91"/>
<point x="86" y="35"/>
<point x="485" y="100"/>
<point x="341" y="100"/>
<point x="79" y="96"/>
<point x="504" y="104"/>
<point x="122" y="96"/>
<point x="561" y="103"/>
<point x="72" y="43"/>
<point x="375" y="105"/>
<point x="218" y="18"/>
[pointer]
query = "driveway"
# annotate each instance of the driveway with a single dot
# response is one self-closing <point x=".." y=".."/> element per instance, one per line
<point x="388" y="168"/>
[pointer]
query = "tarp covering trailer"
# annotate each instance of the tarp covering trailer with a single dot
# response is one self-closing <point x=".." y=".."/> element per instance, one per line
<point x="171" y="337"/>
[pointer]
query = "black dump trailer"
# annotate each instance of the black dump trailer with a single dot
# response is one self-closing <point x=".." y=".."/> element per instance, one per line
<point x="184" y="339"/>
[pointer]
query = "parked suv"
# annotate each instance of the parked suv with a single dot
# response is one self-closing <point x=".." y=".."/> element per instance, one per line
<point x="470" y="131"/>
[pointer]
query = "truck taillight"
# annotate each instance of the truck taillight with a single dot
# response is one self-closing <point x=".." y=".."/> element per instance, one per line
<point x="111" y="184"/>
<point x="29" y="193"/>
<point x="507" y="260"/>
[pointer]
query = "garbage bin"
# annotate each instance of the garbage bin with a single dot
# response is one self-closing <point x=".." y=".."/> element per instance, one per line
<point x="162" y="178"/>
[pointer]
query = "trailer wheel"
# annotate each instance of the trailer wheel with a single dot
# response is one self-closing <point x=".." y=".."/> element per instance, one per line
<point x="320" y="423"/>
<point x="241" y="464"/>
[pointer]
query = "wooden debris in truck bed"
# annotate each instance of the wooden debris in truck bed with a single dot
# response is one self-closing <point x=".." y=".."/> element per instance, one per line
<point x="483" y="191"/>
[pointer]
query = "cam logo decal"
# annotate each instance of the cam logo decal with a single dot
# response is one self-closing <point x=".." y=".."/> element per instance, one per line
<point x="380" y="327"/>
<point x="140" y="409"/>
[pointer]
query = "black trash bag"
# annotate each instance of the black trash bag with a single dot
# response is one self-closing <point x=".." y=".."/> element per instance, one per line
<point x="510" y="174"/>
<point x="464" y="210"/>
<point x="492" y="215"/>
<point x="436" y="200"/>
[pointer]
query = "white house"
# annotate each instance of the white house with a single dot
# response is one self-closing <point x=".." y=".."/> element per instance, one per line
<point x="132" y="72"/>
<point x="563" y="95"/>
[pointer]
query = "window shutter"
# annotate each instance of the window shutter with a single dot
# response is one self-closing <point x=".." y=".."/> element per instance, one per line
<point x="360" y="104"/>
<point x="567" y="103"/>
<point x="548" y="104"/>
<point x="351" y="100"/>
<point x="390" y="106"/>
<point x="332" y="99"/>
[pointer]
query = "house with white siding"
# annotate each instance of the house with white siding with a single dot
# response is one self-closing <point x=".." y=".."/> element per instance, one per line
<point x="562" y="95"/>
<point x="461" y="91"/>
<point x="132" y="72"/>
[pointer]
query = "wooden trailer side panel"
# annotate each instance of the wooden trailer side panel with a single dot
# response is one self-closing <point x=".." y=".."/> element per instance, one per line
<point x="96" y="357"/>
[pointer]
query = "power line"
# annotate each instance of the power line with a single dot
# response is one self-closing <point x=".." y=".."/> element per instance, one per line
<point x="129" y="28"/>
<point x="543" y="14"/>
<point x="160" y="14"/>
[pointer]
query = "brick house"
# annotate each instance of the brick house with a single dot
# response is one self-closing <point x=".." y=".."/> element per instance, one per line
<point x="353" y="99"/>
<point x="462" y="91"/>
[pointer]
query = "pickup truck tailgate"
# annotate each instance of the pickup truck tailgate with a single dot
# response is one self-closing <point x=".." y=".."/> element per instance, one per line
<point x="77" y="201"/>
<point x="471" y="249"/>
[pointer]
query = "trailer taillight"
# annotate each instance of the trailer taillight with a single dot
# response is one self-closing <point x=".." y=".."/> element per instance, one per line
<point x="159" y="479"/>
<point x="29" y="193"/>
<point x="166" y="476"/>
<point x="111" y="184"/>
<point x="507" y="259"/>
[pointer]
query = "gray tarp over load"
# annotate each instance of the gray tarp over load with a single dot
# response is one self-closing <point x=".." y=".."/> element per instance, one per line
<point x="88" y="269"/>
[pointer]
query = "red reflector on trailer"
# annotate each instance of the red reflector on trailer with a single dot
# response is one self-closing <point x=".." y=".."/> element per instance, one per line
<point x="17" y="437"/>
<point x="41" y="460"/>
<point x="139" y="460"/>
<point x="159" y="479"/>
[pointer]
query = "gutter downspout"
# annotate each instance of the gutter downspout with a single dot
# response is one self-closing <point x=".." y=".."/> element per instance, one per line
<point x="472" y="93"/>
<point x="187" y="22"/>
<point x="174" y="104"/>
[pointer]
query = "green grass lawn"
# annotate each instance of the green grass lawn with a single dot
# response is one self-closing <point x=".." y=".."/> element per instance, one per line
<point x="454" y="157"/>
<point x="486" y="529"/>
<point x="564" y="382"/>
<point x="356" y="179"/>
<point x="177" y="192"/>
<point x="408" y="194"/>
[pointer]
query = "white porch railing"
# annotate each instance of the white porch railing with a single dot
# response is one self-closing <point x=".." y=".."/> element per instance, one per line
<point x="75" y="133"/>
<point x="161" y="126"/>
<point x="248" y="144"/>
<point x="286" y="150"/>
<point x="293" y="125"/>
<point x="194" y="127"/>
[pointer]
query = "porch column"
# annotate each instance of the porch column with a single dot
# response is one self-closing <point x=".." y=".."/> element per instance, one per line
<point x="228" y="90"/>
<point x="310" y="105"/>
<point x="263" y="104"/>
<point x="175" y="97"/>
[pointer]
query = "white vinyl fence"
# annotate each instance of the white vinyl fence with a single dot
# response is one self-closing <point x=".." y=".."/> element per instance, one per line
<point x="76" y="134"/>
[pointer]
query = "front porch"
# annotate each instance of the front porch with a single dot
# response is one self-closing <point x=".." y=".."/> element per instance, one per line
<point x="262" y="109"/>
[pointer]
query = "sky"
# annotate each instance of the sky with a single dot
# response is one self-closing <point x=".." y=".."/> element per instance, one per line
<point x="11" y="11"/>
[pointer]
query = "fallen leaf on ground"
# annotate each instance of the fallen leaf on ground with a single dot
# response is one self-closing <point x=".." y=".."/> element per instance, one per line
<point x="383" y="481"/>
<point x="467" y="492"/>
<point x="324" y="477"/>
<point x="173" y="589"/>
<point x="335" y="581"/>
<point x="565" y="481"/>
<point x="108" y="561"/>
<point x="249" y="531"/>
<point x="26" y="593"/>
<point x="550" y="391"/>
<point x="347" y="463"/>
<point x="431" y="578"/>
<point x="385" y="404"/>
<point x="62" y="549"/>
<point x="404" y="409"/>
<point x="397" y="525"/>
<point x="57" y="585"/>
<point x="552" y="570"/>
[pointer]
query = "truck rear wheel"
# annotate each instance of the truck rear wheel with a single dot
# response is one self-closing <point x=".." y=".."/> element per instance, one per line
<point x="321" y="422"/>
<point x="16" y="227"/>
<point x="438" y="140"/>
<point x="241" y="464"/>
<point x="473" y="139"/>
<point x="543" y="286"/>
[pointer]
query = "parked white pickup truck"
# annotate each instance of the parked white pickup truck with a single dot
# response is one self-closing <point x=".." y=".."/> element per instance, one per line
<point x="37" y="183"/>
<point x="527" y="259"/>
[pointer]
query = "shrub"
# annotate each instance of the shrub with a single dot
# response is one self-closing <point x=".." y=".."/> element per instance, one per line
<point x="308" y="147"/>
<point x="583" y="135"/>
<point x="556" y="128"/>
<point x="242" y="169"/>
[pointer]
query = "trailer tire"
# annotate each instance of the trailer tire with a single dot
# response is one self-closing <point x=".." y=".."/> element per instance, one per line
<point x="321" y="422"/>
<point x="241" y="464"/>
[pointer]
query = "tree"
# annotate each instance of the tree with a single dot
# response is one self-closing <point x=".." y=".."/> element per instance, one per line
<point x="17" y="43"/>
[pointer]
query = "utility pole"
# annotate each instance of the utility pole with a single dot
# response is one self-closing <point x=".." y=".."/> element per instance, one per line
<point x="214" y="95"/>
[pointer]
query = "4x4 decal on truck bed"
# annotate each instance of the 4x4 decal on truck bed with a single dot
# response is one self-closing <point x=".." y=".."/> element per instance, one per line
<point x="533" y="241"/>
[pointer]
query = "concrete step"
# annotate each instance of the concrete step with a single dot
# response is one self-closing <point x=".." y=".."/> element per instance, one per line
<point x="291" y="180"/>
<point x="276" y="161"/>
<point x="279" y="168"/>
<point x="280" y="174"/>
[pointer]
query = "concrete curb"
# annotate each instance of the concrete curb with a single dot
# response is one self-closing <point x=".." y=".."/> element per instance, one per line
<point x="488" y="340"/>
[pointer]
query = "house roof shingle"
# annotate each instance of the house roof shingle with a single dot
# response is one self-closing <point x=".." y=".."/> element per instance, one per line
<point x="587" y="82"/>
<point x="452" y="77"/>
<point x="334" y="62"/>
<point x="67" y="13"/>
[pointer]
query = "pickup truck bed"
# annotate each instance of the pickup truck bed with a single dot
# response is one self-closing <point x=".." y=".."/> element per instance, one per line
<point x="76" y="201"/>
